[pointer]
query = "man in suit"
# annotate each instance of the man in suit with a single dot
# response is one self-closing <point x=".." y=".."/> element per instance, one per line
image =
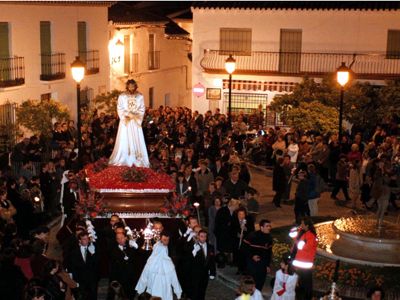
<point x="70" y="198"/>
<point x="203" y="266"/>
<point x="242" y="226"/>
<point x="124" y="266"/>
<point x="82" y="263"/>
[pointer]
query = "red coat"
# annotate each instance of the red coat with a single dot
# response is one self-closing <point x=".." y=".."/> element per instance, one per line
<point x="306" y="250"/>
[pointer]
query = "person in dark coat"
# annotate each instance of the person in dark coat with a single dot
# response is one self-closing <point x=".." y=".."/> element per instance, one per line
<point x="242" y="226"/>
<point x="235" y="187"/>
<point x="70" y="198"/>
<point x="301" y="208"/>
<point x="203" y="266"/>
<point x="259" y="253"/>
<point x="223" y="228"/>
<point x="38" y="259"/>
<point x="12" y="280"/>
<point x="279" y="182"/>
<point x="124" y="265"/>
<point x="82" y="263"/>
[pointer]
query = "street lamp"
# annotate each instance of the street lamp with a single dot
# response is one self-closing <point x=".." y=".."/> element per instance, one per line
<point x="230" y="66"/>
<point x="342" y="77"/>
<point x="78" y="73"/>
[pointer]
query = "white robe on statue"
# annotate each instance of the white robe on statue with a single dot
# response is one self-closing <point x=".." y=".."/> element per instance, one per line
<point x="159" y="276"/>
<point x="130" y="146"/>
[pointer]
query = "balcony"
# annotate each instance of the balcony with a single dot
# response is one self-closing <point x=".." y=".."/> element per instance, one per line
<point x="91" y="59"/>
<point x="12" y="71"/>
<point x="53" y="66"/>
<point x="366" y="65"/>
<point x="154" y="60"/>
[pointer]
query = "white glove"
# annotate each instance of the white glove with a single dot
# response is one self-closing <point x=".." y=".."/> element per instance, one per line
<point x="212" y="277"/>
<point x="133" y="244"/>
<point x="188" y="231"/>
<point x="91" y="249"/>
<point x="300" y="245"/>
<point x="196" y="249"/>
<point x="191" y="235"/>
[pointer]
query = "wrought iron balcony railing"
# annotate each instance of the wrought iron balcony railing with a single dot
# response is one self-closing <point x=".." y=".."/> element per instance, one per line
<point x="154" y="60"/>
<point x="53" y="66"/>
<point x="365" y="66"/>
<point x="91" y="60"/>
<point x="12" y="71"/>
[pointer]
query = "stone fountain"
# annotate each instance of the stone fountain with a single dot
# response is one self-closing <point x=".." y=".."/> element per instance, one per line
<point x="358" y="240"/>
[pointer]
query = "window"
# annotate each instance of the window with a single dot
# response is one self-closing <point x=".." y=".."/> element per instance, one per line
<point x="45" y="46"/>
<point x="234" y="40"/>
<point x="45" y="97"/>
<point x="154" y="56"/>
<point x="393" y="44"/>
<point x="151" y="97"/>
<point x="4" y="40"/>
<point x="82" y="47"/>
<point x="167" y="99"/>
<point x="5" y="73"/>
<point x="290" y="50"/>
<point x="127" y="54"/>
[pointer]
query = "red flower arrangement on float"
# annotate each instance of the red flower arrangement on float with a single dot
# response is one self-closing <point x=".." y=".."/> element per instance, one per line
<point x="90" y="205"/>
<point x="177" y="206"/>
<point x="116" y="178"/>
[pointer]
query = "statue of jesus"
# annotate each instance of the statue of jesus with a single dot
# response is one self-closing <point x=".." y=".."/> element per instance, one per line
<point x="130" y="146"/>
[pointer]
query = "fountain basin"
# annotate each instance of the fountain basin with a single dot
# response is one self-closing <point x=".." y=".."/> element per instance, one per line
<point x="357" y="240"/>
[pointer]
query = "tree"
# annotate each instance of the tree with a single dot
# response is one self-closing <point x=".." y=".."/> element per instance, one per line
<point x="365" y="105"/>
<point x="107" y="102"/>
<point x="38" y="116"/>
<point x="313" y="116"/>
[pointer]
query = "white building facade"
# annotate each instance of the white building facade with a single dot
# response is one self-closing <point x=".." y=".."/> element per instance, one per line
<point x="39" y="41"/>
<point x="275" y="45"/>
<point x="141" y="48"/>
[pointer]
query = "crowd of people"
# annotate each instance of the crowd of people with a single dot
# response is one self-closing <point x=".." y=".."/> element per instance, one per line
<point x="206" y="157"/>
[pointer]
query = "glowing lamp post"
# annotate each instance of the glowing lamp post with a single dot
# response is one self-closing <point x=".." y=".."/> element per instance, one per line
<point x="230" y="66"/>
<point x="78" y="73"/>
<point x="342" y="77"/>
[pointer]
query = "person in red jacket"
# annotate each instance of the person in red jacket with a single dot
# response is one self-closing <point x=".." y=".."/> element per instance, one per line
<point x="303" y="254"/>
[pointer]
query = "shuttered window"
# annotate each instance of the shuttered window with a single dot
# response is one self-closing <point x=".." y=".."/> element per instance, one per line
<point x="45" y="46"/>
<point x="290" y="50"/>
<point x="393" y="44"/>
<point x="4" y="52"/>
<point x="127" y="54"/>
<point x="235" y="40"/>
<point x="82" y="41"/>
<point x="4" y="41"/>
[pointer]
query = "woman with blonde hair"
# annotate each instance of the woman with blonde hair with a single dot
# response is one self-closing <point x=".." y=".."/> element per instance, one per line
<point x="247" y="289"/>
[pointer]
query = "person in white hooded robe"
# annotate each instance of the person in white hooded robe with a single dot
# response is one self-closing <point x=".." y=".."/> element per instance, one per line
<point x="130" y="146"/>
<point x="159" y="275"/>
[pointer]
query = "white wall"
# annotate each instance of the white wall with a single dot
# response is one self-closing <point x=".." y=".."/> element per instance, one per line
<point x="322" y="30"/>
<point x="174" y="75"/>
<point x="24" y="21"/>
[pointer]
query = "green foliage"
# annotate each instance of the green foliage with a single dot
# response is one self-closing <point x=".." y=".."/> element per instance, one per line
<point x="107" y="103"/>
<point x="37" y="116"/>
<point x="313" y="116"/>
<point x="314" y="105"/>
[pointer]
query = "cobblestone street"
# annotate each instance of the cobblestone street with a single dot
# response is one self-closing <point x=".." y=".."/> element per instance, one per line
<point x="223" y="289"/>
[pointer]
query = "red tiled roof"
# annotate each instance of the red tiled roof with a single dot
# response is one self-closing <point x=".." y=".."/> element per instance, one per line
<point x="300" y="5"/>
